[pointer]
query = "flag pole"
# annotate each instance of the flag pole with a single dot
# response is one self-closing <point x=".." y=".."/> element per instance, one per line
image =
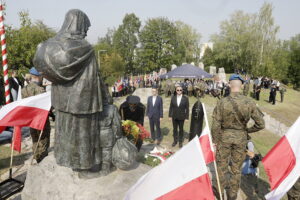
<point x="215" y="163"/>
<point x="12" y="153"/>
<point x="4" y="55"/>
<point x="36" y="146"/>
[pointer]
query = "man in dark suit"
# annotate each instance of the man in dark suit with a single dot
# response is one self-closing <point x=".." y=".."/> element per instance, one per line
<point x="14" y="84"/>
<point x="155" y="114"/>
<point x="178" y="112"/>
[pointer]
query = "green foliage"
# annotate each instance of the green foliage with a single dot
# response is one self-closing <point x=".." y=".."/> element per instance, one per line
<point x="151" y="161"/>
<point x="189" y="42"/>
<point x="159" y="45"/>
<point x="208" y="58"/>
<point x="233" y="47"/>
<point x="112" y="67"/>
<point x="294" y="68"/>
<point x="22" y="42"/>
<point x="111" y="63"/>
<point x="248" y="41"/>
<point x="125" y="40"/>
<point x="281" y="61"/>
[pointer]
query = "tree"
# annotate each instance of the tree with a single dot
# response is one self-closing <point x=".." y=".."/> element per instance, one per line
<point x="22" y="42"/>
<point x="111" y="64"/>
<point x="281" y="61"/>
<point x="233" y="45"/>
<point x="125" y="40"/>
<point x="248" y="42"/>
<point x="112" y="67"/>
<point x="294" y="68"/>
<point x="208" y="58"/>
<point x="189" y="42"/>
<point x="265" y="32"/>
<point x="106" y="43"/>
<point x="159" y="45"/>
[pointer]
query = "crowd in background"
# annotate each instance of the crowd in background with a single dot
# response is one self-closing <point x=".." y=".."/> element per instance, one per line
<point x="214" y="87"/>
<point x="16" y="83"/>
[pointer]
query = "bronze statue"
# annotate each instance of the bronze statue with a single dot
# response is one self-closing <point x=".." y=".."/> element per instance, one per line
<point x="110" y="131"/>
<point x="78" y="93"/>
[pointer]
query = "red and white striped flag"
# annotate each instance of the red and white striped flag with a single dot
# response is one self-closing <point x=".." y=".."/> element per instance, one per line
<point x="30" y="112"/>
<point x="182" y="176"/>
<point x="206" y="145"/>
<point x="206" y="141"/>
<point x="282" y="163"/>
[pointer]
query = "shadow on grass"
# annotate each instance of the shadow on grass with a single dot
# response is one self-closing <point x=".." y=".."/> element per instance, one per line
<point x="248" y="187"/>
<point x="17" y="160"/>
<point x="165" y="131"/>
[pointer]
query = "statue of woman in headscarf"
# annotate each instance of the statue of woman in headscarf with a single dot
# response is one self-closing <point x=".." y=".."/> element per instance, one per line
<point x="78" y="93"/>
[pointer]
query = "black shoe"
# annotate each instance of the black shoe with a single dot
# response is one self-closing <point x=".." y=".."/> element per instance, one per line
<point x="174" y="144"/>
<point x="180" y="145"/>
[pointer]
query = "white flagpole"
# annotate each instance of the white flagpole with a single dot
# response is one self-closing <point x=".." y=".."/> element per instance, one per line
<point x="211" y="144"/>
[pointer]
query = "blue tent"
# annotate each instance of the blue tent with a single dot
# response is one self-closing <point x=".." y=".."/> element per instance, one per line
<point x="186" y="71"/>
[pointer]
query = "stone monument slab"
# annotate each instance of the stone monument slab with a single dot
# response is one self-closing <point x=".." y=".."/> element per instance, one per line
<point x="47" y="180"/>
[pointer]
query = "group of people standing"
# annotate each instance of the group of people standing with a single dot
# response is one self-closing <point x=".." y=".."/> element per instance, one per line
<point x="274" y="86"/>
<point x="230" y="134"/>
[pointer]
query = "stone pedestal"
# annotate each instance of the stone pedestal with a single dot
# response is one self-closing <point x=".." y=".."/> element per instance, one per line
<point x="48" y="180"/>
<point x="201" y="65"/>
<point x="212" y="70"/>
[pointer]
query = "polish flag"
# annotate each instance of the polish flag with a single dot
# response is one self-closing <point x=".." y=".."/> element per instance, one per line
<point x="30" y="112"/>
<point x="282" y="163"/>
<point x="182" y="176"/>
<point x="207" y="146"/>
<point x="206" y="141"/>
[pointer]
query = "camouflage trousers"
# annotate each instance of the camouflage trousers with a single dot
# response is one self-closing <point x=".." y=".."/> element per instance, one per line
<point x="294" y="192"/>
<point x="42" y="148"/>
<point x="230" y="157"/>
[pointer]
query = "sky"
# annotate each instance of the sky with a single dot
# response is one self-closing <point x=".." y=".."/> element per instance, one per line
<point x="203" y="15"/>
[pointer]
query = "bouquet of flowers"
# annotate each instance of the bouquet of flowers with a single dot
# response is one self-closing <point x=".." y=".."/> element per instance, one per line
<point x="134" y="131"/>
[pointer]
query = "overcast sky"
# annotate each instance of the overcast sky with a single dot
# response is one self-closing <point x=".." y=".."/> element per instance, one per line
<point x="203" y="15"/>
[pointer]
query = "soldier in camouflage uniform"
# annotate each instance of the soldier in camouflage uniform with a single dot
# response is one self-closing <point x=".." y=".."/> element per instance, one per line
<point x="32" y="89"/>
<point x="172" y="88"/>
<point x="294" y="193"/>
<point x="167" y="87"/>
<point x="202" y="88"/>
<point x="229" y="133"/>
<point x="190" y="88"/>
<point x="246" y="89"/>
<point x="282" y="91"/>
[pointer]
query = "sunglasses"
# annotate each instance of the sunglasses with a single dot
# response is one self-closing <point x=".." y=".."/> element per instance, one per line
<point x="178" y="90"/>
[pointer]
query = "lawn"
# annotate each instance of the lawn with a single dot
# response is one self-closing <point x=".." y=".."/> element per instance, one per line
<point x="4" y="158"/>
<point x="286" y="112"/>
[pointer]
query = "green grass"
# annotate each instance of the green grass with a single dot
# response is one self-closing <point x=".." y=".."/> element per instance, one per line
<point x="286" y="112"/>
<point x="263" y="142"/>
<point x="18" y="159"/>
<point x="4" y="156"/>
